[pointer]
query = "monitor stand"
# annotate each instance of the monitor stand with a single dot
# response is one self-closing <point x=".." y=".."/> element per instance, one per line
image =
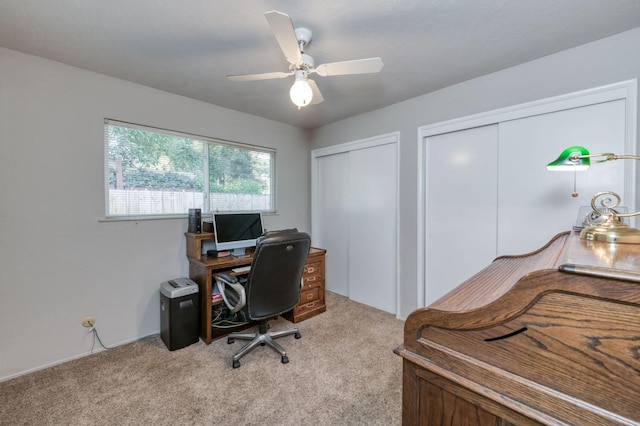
<point x="239" y="252"/>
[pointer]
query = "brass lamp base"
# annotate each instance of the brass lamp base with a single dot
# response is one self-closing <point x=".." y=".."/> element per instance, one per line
<point x="612" y="231"/>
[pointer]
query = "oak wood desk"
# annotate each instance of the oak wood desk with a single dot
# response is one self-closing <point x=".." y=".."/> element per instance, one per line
<point x="202" y="268"/>
<point x="547" y="338"/>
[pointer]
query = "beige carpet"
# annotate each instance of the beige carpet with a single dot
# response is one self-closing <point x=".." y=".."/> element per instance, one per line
<point x="341" y="372"/>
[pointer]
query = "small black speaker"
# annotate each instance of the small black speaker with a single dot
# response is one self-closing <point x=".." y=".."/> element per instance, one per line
<point x="195" y="221"/>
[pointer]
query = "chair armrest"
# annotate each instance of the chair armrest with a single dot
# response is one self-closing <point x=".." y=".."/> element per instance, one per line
<point x="227" y="277"/>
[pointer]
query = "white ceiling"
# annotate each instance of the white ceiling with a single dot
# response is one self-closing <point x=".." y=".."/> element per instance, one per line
<point x="188" y="47"/>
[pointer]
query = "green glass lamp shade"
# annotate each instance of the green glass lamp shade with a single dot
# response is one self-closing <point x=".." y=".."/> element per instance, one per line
<point x="569" y="160"/>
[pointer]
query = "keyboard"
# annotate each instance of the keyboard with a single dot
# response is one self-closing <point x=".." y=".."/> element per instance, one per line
<point x="242" y="269"/>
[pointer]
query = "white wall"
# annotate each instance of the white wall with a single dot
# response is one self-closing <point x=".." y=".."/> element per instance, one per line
<point x="606" y="61"/>
<point x="58" y="261"/>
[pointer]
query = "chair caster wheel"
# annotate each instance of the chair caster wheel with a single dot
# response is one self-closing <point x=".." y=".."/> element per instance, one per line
<point x="235" y="363"/>
<point x="230" y="340"/>
<point x="285" y="359"/>
<point x="297" y="335"/>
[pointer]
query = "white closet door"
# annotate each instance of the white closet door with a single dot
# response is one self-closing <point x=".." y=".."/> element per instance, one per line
<point x="461" y="207"/>
<point x="333" y="219"/>
<point x="531" y="203"/>
<point x="372" y="226"/>
<point x="534" y="203"/>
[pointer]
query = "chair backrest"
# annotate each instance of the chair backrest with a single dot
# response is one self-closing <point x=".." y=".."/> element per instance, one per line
<point x="273" y="285"/>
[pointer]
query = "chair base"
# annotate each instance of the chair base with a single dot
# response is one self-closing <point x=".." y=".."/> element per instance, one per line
<point x="262" y="337"/>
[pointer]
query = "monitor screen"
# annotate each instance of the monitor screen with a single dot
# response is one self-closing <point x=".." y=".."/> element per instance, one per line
<point x="236" y="231"/>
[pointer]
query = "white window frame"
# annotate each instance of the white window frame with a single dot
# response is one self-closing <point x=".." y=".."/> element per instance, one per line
<point x="208" y="141"/>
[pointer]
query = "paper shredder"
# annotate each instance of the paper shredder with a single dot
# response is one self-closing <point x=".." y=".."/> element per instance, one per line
<point x="179" y="313"/>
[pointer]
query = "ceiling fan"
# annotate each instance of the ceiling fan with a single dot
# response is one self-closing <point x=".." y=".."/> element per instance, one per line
<point x="292" y="41"/>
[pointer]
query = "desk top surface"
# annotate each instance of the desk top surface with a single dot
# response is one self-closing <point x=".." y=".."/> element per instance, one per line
<point x="232" y="262"/>
<point x="565" y="252"/>
<point x="600" y="258"/>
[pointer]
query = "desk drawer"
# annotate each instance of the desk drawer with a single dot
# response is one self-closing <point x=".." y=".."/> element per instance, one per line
<point x="313" y="271"/>
<point x="305" y="310"/>
<point x="311" y="295"/>
<point x="308" y="285"/>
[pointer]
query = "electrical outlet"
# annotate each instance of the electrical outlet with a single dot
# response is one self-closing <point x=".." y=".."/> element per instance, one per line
<point x="88" y="322"/>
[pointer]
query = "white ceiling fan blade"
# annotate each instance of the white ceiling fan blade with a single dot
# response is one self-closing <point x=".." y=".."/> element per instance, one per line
<point x="357" y="66"/>
<point x="282" y="28"/>
<point x="263" y="76"/>
<point x="317" y="96"/>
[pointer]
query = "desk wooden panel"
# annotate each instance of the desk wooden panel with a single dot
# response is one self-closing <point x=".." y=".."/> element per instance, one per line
<point x="530" y="341"/>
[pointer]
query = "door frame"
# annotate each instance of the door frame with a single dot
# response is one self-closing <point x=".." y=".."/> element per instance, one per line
<point x="625" y="90"/>
<point x="316" y="154"/>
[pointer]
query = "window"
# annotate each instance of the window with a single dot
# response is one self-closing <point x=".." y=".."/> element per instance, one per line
<point x="154" y="172"/>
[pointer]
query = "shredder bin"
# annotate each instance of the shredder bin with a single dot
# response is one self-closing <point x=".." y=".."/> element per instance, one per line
<point x="179" y="313"/>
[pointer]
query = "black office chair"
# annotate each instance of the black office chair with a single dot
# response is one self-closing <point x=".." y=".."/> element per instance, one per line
<point x="272" y="288"/>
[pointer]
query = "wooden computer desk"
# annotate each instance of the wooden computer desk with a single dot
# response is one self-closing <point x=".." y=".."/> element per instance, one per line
<point x="202" y="268"/>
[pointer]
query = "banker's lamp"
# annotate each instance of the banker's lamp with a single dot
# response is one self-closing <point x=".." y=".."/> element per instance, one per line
<point x="301" y="93"/>
<point x="612" y="230"/>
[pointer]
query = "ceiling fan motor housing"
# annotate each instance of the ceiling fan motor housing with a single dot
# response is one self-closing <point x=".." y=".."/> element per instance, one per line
<point x="307" y="61"/>
<point x="304" y="36"/>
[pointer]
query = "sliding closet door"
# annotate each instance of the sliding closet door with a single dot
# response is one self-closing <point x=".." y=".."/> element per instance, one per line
<point x="536" y="204"/>
<point x="486" y="190"/>
<point x="354" y="208"/>
<point x="461" y="206"/>
<point x="332" y="233"/>
<point x="372" y="227"/>
<point x="489" y="192"/>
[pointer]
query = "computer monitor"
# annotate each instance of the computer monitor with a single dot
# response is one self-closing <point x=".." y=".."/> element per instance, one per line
<point x="236" y="231"/>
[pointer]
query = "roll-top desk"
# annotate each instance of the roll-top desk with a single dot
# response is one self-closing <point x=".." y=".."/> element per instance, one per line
<point x="551" y="337"/>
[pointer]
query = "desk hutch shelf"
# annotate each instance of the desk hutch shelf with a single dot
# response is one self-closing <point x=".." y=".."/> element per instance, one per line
<point x="194" y="244"/>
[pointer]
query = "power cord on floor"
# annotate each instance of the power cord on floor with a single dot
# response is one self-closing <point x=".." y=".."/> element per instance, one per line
<point x="96" y="336"/>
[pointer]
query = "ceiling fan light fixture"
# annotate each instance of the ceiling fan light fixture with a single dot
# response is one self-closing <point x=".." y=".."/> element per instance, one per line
<point x="301" y="93"/>
<point x="292" y="42"/>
